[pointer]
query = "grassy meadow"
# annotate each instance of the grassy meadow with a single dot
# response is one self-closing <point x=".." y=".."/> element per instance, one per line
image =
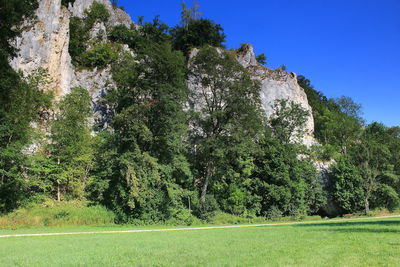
<point x="373" y="242"/>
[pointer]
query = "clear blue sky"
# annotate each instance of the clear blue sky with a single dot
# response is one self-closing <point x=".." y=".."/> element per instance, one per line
<point x="345" y="47"/>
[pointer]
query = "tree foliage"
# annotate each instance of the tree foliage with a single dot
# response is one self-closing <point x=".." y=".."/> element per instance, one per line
<point x="197" y="33"/>
<point x="224" y="127"/>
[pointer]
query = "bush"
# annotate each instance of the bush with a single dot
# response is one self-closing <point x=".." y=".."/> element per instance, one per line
<point x="209" y="208"/>
<point x="97" y="13"/>
<point x="199" y="33"/>
<point x="79" y="33"/>
<point x="274" y="213"/>
<point x="226" y="218"/>
<point x="183" y="217"/>
<point x="79" y="36"/>
<point x="235" y="202"/>
<point x="51" y="213"/>
<point x="262" y="59"/>
<point x="120" y="34"/>
<point x="99" y="56"/>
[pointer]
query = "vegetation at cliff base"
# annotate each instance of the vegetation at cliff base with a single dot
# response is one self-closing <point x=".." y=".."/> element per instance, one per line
<point x="179" y="136"/>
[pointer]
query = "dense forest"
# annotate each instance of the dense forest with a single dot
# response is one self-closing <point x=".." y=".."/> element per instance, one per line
<point x="158" y="159"/>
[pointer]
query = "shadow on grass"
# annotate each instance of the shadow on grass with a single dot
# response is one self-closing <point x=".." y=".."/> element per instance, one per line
<point x="357" y="227"/>
<point x="365" y="230"/>
<point x="352" y="223"/>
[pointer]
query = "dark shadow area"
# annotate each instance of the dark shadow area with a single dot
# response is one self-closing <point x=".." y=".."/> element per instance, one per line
<point x="363" y="230"/>
<point x="378" y="227"/>
<point x="351" y="223"/>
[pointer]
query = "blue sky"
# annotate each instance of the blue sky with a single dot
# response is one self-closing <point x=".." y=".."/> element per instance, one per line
<point x="345" y="47"/>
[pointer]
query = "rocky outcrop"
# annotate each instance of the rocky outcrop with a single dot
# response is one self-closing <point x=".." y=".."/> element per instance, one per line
<point x="117" y="16"/>
<point x="45" y="45"/>
<point x="275" y="85"/>
<point x="45" y="42"/>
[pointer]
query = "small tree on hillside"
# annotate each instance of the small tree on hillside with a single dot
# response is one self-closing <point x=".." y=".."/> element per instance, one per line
<point x="288" y="121"/>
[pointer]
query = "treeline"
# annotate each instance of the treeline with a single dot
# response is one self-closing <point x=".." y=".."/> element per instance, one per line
<point x="171" y="153"/>
<point x="366" y="173"/>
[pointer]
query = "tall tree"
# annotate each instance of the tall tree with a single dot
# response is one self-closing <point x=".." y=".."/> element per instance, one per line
<point x="149" y="161"/>
<point x="70" y="149"/>
<point x="21" y="102"/>
<point x="227" y="116"/>
<point x="372" y="156"/>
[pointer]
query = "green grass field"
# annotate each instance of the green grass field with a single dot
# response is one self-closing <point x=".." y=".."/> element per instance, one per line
<point x="348" y="243"/>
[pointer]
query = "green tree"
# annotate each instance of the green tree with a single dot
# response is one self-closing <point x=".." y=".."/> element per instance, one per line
<point x="197" y="33"/>
<point x="288" y="121"/>
<point x="21" y="102"/>
<point x="372" y="156"/>
<point x="262" y="59"/>
<point x="70" y="150"/>
<point x="346" y="186"/>
<point x="148" y="169"/>
<point x="283" y="183"/>
<point x="226" y="118"/>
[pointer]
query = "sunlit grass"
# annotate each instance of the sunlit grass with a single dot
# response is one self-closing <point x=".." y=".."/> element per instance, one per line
<point x="356" y="243"/>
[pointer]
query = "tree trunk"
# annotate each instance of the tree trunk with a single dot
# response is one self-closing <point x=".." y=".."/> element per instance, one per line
<point x="366" y="205"/>
<point x="58" y="185"/>
<point x="209" y="171"/>
<point x="204" y="191"/>
<point x="58" y="192"/>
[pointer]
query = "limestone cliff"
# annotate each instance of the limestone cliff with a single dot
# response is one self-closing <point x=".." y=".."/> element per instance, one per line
<point x="275" y="85"/>
<point x="45" y="43"/>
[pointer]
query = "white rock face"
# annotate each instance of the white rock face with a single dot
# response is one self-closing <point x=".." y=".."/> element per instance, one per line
<point x="117" y="17"/>
<point x="276" y="85"/>
<point x="45" y="45"/>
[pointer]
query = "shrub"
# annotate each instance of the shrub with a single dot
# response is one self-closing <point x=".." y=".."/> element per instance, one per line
<point x="80" y="28"/>
<point x="99" y="56"/>
<point x="262" y="59"/>
<point x="198" y="33"/>
<point x="96" y="13"/>
<point x="79" y="36"/>
<point x="51" y="213"/>
<point x="123" y="35"/>
<point x="274" y="213"/>
<point x="183" y="217"/>
<point x="235" y="202"/>
<point x="209" y="208"/>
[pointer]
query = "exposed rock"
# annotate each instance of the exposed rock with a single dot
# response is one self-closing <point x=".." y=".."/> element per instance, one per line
<point x="275" y="85"/>
<point x="98" y="82"/>
<point x="45" y="42"/>
<point x="45" y="45"/>
<point x="99" y="32"/>
<point x="117" y="16"/>
<point x="323" y="167"/>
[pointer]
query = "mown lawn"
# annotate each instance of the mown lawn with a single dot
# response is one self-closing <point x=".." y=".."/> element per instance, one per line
<point x="358" y="243"/>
